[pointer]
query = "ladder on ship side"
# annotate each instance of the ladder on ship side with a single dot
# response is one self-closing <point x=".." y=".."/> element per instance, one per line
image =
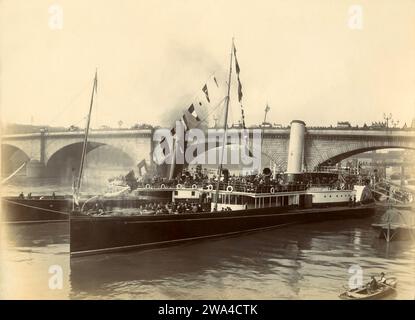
<point x="393" y="192"/>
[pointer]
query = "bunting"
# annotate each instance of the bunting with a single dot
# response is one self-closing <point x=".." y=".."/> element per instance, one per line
<point x="236" y="61"/>
<point x="190" y="120"/>
<point x="205" y="90"/>
<point x="240" y="94"/>
<point x="192" y="111"/>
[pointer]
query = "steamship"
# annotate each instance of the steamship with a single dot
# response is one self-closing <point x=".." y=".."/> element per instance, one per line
<point x="221" y="207"/>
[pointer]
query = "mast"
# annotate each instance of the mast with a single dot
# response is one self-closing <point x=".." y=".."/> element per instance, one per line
<point x="225" y="127"/>
<point x="85" y="144"/>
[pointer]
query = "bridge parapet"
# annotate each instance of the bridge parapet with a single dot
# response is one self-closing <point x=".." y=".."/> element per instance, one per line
<point x="321" y="144"/>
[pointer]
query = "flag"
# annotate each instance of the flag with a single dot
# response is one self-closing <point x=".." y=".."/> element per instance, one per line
<point x="239" y="90"/>
<point x="240" y="94"/>
<point x="267" y="108"/>
<point x="192" y="111"/>
<point x="205" y="90"/>
<point x="236" y="61"/>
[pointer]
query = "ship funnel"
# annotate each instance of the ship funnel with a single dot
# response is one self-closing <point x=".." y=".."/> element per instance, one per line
<point x="296" y="148"/>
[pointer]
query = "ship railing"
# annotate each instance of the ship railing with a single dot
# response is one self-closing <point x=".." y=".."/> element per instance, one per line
<point x="342" y="170"/>
<point x="229" y="187"/>
<point x="248" y="187"/>
<point x="255" y="188"/>
<point x="343" y="186"/>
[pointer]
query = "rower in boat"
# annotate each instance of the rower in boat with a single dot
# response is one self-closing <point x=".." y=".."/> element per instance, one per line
<point x="373" y="285"/>
<point x="373" y="290"/>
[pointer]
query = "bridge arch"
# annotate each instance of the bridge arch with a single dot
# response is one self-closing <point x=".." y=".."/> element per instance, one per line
<point x="65" y="162"/>
<point x="12" y="157"/>
<point x="324" y="147"/>
<point x="341" y="156"/>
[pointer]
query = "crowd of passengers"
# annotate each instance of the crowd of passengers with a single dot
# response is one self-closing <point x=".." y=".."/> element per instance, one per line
<point x="250" y="183"/>
<point x="154" y="208"/>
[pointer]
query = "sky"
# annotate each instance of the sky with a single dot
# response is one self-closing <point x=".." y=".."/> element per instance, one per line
<point x="308" y="59"/>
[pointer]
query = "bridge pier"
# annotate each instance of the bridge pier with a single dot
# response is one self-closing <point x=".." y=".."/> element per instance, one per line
<point x="35" y="169"/>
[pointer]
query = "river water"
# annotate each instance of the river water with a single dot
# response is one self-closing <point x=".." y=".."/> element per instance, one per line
<point x="309" y="261"/>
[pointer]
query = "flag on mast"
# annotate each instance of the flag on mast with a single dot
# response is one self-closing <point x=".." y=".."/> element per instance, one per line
<point x="205" y="90"/>
<point x="240" y="93"/>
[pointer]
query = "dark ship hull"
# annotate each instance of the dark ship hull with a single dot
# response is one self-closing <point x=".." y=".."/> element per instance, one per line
<point x="36" y="210"/>
<point x="94" y="235"/>
<point x="17" y="210"/>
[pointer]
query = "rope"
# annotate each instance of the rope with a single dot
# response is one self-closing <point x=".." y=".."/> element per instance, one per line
<point x="33" y="207"/>
<point x="66" y="107"/>
<point x="15" y="172"/>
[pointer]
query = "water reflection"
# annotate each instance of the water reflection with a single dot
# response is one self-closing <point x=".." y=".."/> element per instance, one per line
<point x="300" y="262"/>
<point x="308" y="261"/>
<point x="27" y="252"/>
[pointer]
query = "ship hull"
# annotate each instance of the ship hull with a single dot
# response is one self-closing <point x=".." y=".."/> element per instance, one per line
<point x="16" y="210"/>
<point x="95" y="235"/>
<point x="36" y="210"/>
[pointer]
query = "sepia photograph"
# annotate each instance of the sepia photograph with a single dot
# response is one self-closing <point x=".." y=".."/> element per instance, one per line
<point x="206" y="150"/>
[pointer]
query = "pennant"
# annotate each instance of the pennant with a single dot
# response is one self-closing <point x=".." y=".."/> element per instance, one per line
<point x="193" y="112"/>
<point x="240" y="95"/>
<point x="205" y="90"/>
<point x="236" y="61"/>
<point x="214" y="78"/>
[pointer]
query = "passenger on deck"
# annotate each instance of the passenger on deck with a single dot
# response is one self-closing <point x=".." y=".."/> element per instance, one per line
<point x="53" y="195"/>
<point x="21" y="195"/>
<point x="382" y="278"/>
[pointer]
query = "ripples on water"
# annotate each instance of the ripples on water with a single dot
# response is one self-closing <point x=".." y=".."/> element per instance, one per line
<point x="26" y="253"/>
<point x="298" y="262"/>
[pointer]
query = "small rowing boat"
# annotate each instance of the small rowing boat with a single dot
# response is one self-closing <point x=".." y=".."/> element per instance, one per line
<point x="365" y="293"/>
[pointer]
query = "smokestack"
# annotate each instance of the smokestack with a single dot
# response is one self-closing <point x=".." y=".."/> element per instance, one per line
<point x="296" y="148"/>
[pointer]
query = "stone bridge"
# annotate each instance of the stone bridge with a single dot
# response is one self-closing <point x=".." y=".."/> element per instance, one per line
<point x="322" y="146"/>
